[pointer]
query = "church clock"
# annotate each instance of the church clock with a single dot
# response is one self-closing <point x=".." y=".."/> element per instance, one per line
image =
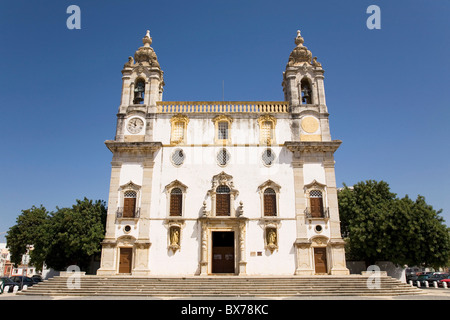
<point x="135" y="125"/>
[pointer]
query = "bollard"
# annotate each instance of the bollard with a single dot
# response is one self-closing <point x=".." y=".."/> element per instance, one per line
<point x="25" y="287"/>
<point x="418" y="284"/>
<point x="444" y="284"/>
<point x="6" y="289"/>
<point x="16" y="288"/>
<point x="427" y="284"/>
<point x="411" y="283"/>
<point x="435" y="284"/>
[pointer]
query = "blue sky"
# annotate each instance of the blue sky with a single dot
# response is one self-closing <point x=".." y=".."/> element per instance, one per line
<point x="387" y="90"/>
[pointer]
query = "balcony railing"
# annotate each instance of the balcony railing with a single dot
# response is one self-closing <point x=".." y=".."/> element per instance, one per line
<point x="325" y="214"/>
<point x="119" y="213"/>
<point x="223" y="106"/>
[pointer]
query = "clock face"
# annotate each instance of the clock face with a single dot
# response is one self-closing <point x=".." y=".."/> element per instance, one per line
<point x="135" y="125"/>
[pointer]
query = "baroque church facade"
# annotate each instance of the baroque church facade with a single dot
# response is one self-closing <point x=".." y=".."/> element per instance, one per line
<point x="222" y="187"/>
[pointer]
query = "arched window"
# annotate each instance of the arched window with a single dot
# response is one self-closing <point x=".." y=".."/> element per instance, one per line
<point x="316" y="203"/>
<point x="306" y="91"/>
<point x="270" y="202"/>
<point x="139" y="90"/>
<point x="176" y="202"/>
<point x="129" y="204"/>
<point x="222" y="201"/>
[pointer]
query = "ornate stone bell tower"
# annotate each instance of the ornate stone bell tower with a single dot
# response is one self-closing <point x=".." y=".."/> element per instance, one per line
<point x="126" y="246"/>
<point x="311" y="145"/>
<point x="142" y="87"/>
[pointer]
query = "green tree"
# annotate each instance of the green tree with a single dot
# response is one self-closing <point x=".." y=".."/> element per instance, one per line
<point x="363" y="211"/>
<point x="420" y="234"/>
<point x="379" y="226"/>
<point x="76" y="234"/>
<point x="29" y="228"/>
<point x="65" y="237"/>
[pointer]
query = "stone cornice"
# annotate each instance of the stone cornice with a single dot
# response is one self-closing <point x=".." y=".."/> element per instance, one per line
<point x="313" y="146"/>
<point x="138" y="147"/>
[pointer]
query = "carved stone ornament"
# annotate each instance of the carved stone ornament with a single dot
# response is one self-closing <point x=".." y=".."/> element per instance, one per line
<point x="314" y="185"/>
<point x="129" y="63"/>
<point x="146" y="53"/>
<point x="130" y="186"/>
<point x="223" y="179"/>
<point x="319" y="241"/>
<point x="315" y="63"/>
<point x="300" y="54"/>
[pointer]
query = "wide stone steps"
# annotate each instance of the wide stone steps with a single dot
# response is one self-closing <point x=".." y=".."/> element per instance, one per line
<point x="221" y="286"/>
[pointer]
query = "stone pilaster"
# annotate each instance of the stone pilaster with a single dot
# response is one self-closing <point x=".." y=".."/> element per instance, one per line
<point x="336" y="243"/>
<point x="141" y="266"/>
<point x="302" y="243"/>
<point x="242" y="258"/>
<point x="108" y="258"/>
<point x="113" y="199"/>
<point x="204" y="249"/>
<point x="120" y="127"/>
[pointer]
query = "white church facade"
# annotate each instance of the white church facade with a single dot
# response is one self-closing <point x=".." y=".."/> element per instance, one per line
<point x="222" y="187"/>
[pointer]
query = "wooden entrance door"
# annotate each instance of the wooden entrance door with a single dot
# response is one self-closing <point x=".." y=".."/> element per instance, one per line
<point x="126" y="255"/>
<point x="223" y="252"/>
<point x="320" y="260"/>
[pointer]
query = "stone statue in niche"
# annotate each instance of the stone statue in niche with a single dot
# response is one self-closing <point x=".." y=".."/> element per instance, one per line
<point x="174" y="238"/>
<point x="271" y="239"/>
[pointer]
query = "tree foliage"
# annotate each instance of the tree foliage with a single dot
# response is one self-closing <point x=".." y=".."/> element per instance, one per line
<point x="379" y="226"/>
<point x="30" y="226"/>
<point x="68" y="236"/>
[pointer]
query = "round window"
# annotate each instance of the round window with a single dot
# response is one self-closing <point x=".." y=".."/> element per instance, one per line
<point x="127" y="228"/>
<point x="268" y="157"/>
<point x="223" y="157"/>
<point x="318" y="228"/>
<point x="178" y="157"/>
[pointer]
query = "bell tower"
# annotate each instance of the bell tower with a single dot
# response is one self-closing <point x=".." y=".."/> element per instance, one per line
<point x="303" y="87"/>
<point x="142" y="86"/>
<point x="312" y="148"/>
<point x="303" y="78"/>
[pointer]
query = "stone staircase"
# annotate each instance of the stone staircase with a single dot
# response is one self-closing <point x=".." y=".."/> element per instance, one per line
<point x="221" y="286"/>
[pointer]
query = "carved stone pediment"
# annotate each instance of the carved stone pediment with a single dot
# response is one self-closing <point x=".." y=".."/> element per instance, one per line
<point x="176" y="184"/>
<point x="315" y="185"/>
<point x="126" y="240"/>
<point x="269" y="184"/>
<point x="223" y="179"/>
<point x="319" y="241"/>
<point x="130" y="185"/>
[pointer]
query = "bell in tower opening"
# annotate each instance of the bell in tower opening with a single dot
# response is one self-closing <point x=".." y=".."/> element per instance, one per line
<point x="139" y="92"/>
<point x="306" y="92"/>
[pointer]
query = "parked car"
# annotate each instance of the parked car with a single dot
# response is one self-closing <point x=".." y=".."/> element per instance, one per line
<point x="36" y="278"/>
<point x="445" y="279"/>
<point x="8" y="282"/>
<point x="436" y="277"/>
<point x="422" y="278"/>
<point x="22" y="281"/>
<point x="412" y="277"/>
